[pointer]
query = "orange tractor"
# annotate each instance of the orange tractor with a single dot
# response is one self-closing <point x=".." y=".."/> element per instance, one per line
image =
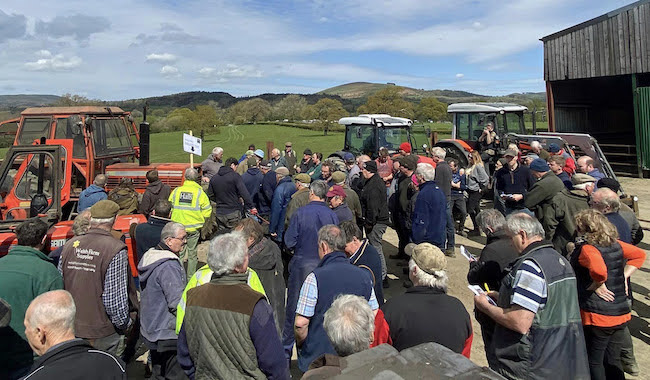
<point x="57" y="153"/>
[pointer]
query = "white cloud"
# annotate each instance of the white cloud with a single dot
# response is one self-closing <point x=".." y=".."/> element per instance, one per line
<point x="460" y="75"/>
<point x="51" y="62"/>
<point x="231" y="71"/>
<point x="164" y="57"/>
<point x="207" y="71"/>
<point x="169" y="71"/>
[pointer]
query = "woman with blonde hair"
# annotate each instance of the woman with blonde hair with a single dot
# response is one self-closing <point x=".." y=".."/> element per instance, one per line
<point x="477" y="181"/>
<point x="603" y="264"/>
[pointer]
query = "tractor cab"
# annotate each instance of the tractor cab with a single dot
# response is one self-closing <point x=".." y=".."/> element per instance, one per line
<point x="365" y="134"/>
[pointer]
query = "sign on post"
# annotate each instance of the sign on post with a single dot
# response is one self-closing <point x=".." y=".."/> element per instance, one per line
<point x="192" y="144"/>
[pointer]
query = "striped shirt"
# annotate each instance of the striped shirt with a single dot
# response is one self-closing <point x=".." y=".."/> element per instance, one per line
<point x="530" y="290"/>
<point x="309" y="296"/>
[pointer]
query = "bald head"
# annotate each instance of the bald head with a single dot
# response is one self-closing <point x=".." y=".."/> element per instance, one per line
<point x="585" y="164"/>
<point x="605" y="201"/>
<point x="49" y="320"/>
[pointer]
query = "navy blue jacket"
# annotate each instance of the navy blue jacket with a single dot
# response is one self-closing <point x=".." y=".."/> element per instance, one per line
<point x="624" y="232"/>
<point x="253" y="182"/>
<point x="430" y="216"/>
<point x="91" y="195"/>
<point x="147" y="235"/>
<point x="344" y="213"/>
<point x="334" y="276"/>
<point x="458" y="193"/>
<point x="281" y="197"/>
<point x="302" y="234"/>
<point x="265" y="196"/>
<point x="517" y="181"/>
<point x="367" y="257"/>
<point x="225" y="189"/>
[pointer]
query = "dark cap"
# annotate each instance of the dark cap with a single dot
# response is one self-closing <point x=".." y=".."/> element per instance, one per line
<point x="553" y="148"/>
<point x="265" y="164"/>
<point x="609" y="183"/>
<point x="252" y="162"/>
<point x="104" y="209"/>
<point x="349" y="157"/>
<point x="409" y="162"/>
<point x="307" y="151"/>
<point x="511" y="153"/>
<point x="336" y="190"/>
<point x="370" y="166"/>
<point x="539" y="165"/>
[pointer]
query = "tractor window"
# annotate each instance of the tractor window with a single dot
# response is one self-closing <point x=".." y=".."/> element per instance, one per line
<point x="391" y="138"/>
<point x="360" y="139"/>
<point x="462" y="126"/>
<point x="37" y="177"/>
<point x="34" y="129"/>
<point x="514" y="120"/>
<point x="72" y="128"/>
<point x="111" y="137"/>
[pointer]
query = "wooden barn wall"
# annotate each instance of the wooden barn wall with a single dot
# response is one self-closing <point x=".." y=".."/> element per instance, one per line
<point x="617" y="45"/>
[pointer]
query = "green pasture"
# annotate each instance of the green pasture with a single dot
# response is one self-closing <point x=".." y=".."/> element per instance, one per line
<point x="168" y="147"/>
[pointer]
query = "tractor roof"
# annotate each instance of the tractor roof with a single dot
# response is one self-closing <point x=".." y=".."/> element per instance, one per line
<point x="374" y="119"/>
<point x="485" y="107"/>
<point x="92" y="110"/>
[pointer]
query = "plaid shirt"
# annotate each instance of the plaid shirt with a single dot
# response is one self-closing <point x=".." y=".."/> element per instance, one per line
<point x="309" y="296"/>
<point x="115" y="296"/>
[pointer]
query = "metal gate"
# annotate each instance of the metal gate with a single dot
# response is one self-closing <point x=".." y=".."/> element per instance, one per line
<point x="642" y="121"/>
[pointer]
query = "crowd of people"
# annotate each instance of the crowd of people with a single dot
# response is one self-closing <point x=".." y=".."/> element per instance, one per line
<point x="295" y="258"/>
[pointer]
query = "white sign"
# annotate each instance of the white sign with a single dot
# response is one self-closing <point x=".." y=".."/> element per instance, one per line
<point x="192" y="144"/>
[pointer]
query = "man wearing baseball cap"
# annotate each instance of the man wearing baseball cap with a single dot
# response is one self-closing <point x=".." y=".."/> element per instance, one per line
<point x="570" y="164"/>
<point x="351" y="196"/>
<point x="95" y="272"/>
<point x="336" y="201"/>
<point x="425" y="313"/>
<point x="546" y="187"/>
<point x="513" y="182"/>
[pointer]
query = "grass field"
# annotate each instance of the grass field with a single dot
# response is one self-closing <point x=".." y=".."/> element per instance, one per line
<point x="168" y="147"/>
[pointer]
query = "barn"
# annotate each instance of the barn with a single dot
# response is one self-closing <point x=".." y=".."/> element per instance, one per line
<point x="597" y="77"/>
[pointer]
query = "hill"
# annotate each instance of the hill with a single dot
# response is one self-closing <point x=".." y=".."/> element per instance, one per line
<point x="358" y="92"/>
<point x="8" y="102"/>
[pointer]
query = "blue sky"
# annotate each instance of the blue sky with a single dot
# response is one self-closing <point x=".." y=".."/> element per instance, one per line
<point x="127" y="49"/>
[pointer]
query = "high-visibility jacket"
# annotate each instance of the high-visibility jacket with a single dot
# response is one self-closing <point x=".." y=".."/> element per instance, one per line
<point x="191" y="206"/>
<point x="203" y="276"/>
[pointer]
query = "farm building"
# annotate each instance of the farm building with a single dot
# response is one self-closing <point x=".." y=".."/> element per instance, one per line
<point x="597" y="77"/>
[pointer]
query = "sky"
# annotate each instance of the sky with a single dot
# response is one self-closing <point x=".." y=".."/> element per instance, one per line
<point x="126" y="49"/>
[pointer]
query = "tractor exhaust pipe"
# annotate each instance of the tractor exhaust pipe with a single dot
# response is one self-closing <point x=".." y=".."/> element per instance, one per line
<point x="144" y="139"/>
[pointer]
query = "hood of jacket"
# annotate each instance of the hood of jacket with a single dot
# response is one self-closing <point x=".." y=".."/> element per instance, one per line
<point x="152" y="259"/>
<point x="155" y="187"/>
<point x="93" y="189"/>
<point x="263" y="256"/>
<point x="254" y="171"/>
<point x="225" y="170"/>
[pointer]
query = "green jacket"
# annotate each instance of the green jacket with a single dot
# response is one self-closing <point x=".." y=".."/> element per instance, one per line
<point x="539" y="196"/>
<point x="559" y="218"/>
<point x="25" y="273"/>
<point x="315" y="172"/>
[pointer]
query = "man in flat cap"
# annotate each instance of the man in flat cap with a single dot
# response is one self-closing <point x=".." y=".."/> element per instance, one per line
<point x="95" y="271"/>
<point x="425" y="313"/>
<point x="300" y="197"/>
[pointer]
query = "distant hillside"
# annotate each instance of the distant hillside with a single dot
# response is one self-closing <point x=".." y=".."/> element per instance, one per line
<point x="358" y="92"/>
<point x="22" y="101"/>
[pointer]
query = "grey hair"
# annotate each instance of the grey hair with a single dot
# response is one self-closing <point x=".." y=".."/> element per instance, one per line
<point x="535" y="144"/>
<point x="94" y="222"/>
<point x="491" y="218"/>
<point x="426" y="171"/>
<point x="100" y="180"/>
<point x="438" y="152"/>
<point x="608" y="198"/>
<point x="319" y="188"/>
<point x="349" y="324"/>
<point x="437" y="280"/>
<point x="217" y="150"/>
<point x="333" y="236"/>
<point x="520" y="221"/>
<point x="275" y="150"/>
<point x="170" y="230"/>
<point x="55" y="308"/>
<point x="227" y="252"/>
<point x="191" y="174"/>
<point x="81" y="223"/>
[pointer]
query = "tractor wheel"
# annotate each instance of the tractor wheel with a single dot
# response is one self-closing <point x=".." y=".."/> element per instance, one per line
<point x="455" y="153"/>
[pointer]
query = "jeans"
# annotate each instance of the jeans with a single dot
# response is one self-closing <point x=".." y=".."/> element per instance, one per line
<point x="189" y="249"/>
<point x="375" y="236"/>
<point x="604" y="351"/>
<point x="298" y="272"/>
<point x="451" y="231"/>
<point x="474" y="206"/>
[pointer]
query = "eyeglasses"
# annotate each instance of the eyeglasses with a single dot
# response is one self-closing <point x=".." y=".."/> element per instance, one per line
<point x="183" y="239"/>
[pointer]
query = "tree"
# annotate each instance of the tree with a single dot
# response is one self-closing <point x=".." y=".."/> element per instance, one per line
<point x="257" y="109"/>
<point x="291" y="107"/>
<point x="431" y="109"/>
<point x="67" y="100"/>
<point x="327" y="111"/>
<point x="206" y="117"/>
<point x="388" y="100"/>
